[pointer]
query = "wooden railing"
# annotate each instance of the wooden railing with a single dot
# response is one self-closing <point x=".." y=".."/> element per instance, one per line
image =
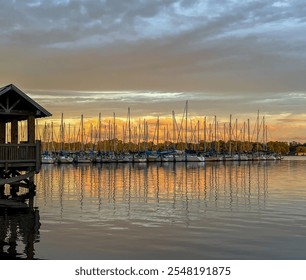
<point x="21" y="154"/>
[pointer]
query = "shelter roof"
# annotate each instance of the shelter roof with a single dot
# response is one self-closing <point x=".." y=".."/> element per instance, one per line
<point x="15" y="104"/>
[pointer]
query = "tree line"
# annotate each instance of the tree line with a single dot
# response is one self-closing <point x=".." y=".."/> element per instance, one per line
<point x="219" y="147"/>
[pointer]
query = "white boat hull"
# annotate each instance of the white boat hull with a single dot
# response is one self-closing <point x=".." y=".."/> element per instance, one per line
<point x="65" y="160"/>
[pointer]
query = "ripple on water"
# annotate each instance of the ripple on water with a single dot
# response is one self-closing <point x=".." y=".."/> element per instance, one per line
<point x="211" y="211"/>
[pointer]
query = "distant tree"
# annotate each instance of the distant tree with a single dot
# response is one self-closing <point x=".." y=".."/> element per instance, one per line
<point x="278" y="147"/>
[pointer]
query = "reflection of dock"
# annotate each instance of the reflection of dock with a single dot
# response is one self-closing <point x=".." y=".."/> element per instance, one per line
<point x="13" y="204"/>
<point x="19" y="222"/>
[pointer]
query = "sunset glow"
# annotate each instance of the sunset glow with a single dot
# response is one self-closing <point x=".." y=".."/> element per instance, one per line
<point x="92" y="57"/>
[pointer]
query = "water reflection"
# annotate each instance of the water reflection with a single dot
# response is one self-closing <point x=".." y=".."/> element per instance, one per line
<point x="19" y="226"/>
<point x="152" y="194"/>
<point x="171" y="211"/>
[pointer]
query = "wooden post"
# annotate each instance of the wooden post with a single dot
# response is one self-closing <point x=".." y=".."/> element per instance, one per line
<point x="2" y="187"/>
<point x="2" y="132"/>
<point x="31" y="129"/>
<point x="14" y="132"/>
<point x="38" y="156"/>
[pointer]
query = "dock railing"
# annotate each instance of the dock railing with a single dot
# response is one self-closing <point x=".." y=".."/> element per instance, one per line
<point x="21" y="155"/>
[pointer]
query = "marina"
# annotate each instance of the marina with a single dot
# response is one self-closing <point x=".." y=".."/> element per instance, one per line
<point x="153" y="139"/>
<point x="188" y="140"/>
<point x="143" y="198"/>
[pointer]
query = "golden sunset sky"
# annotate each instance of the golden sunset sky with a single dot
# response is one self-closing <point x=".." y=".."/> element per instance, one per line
<point x="224" y="57"/>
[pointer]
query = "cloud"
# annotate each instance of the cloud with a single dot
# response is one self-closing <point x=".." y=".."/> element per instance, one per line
<point x="235" y="56"/>
<point x="292" y="120"/>
<point x="73" y="23"/>
<point x="152" y="103"/>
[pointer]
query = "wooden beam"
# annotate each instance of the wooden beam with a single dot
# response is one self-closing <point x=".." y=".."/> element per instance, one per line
<point x="2" y="106"/>
<point x="16" y="178"/>
<point x="14" y="132"/>
<point x="2" y="132"/>
<point x="14" y="105"/>
<point x="31" y="129"/>
<point x="8" y="110"/>
<point x="15" y="112"/>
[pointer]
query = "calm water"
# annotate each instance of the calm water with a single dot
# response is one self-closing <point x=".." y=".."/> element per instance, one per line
<point x="168" y="211"/>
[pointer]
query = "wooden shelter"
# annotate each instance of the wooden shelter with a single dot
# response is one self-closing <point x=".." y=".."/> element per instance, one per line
<point x="19" y="160"/>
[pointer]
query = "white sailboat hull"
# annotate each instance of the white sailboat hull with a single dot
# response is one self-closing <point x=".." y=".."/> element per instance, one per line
<point x="65" y="160"/>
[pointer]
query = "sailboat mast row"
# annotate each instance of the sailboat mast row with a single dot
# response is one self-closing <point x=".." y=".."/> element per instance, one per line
<point x="190" y="136"/>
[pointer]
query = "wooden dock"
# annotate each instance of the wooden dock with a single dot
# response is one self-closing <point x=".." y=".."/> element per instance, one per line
<point x="19" y="161"/>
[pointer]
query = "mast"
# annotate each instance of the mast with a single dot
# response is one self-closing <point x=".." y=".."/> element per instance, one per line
<point x="37" y="131"/>
<point x="266" y="138"/>
<point x="263" y="133"/>
<point x="157" y="132"/>
<point x="135" y="137"/>
<point x="198" y="136"/>
<point x="167" y="137"/>
<point x="224" y="136"/>
<point x="205" y="135"/>
<point x="257" y="136"/>
<point x="91" y="136"/>
<point x="105" y="137"/>
<point x="186" y="125"/>
<point x="99" y="132"/>
<point x="173" y="130"/>
<point x="215" y="133"/>
<point x="82" y="133"/>
<point x="129" y="122"/>
<point x="109" y="135"/>
<point x="123" y="138"/>
<point x="236" y="136"/>
<point x="243" y="136"/>
<point x="139" y="134"/>
<point x="62" y="132"/>
<point x="218" y="143"/>
<point x="48" y="135"/>
<point x="249" y="135"/>
<point x="74" y="139"/>
<point x="192" y="138"/>
<point x="230" y="136"/>
<point x="210" y="138"/>
<point x="44" y="137"/>
<point x="52" y="137"/>
<point x="145" y="134"/>
<point x="115" y="146"/>
<point x="69" y="148"/>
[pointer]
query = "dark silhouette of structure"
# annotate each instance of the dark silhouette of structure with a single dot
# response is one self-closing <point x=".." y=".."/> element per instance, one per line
<point x="19" y="223"/>
<point x="19" y="161"/>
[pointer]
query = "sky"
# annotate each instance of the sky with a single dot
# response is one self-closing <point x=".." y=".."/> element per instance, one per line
<point x="224" y="57"/>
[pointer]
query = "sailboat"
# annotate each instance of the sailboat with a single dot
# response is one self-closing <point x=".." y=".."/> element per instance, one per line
<point x="47" y="157"/>
<point x="190" y="157"/>
<point x="64" y="157"/>
<point x="82" y="157"/>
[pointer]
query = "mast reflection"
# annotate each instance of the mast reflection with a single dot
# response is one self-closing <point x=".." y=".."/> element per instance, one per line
<point x="159" y="192"/>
